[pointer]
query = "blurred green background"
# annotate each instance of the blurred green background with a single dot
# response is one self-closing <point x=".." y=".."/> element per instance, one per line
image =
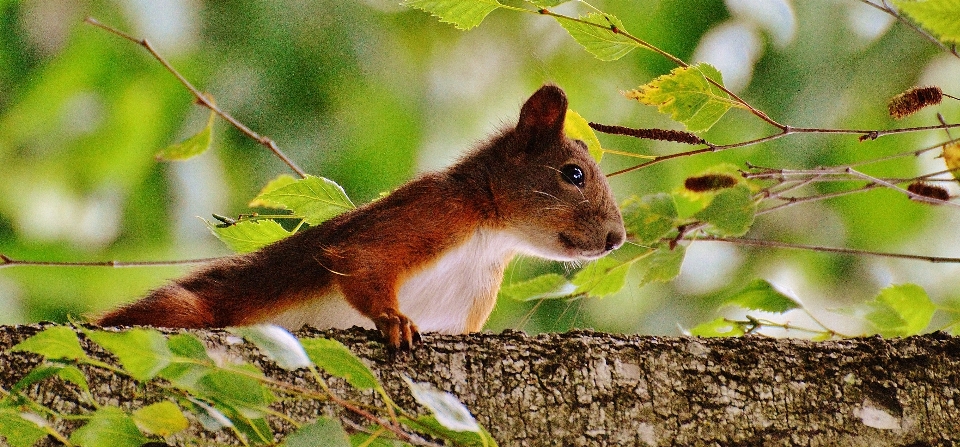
<point x="369" y="94"/>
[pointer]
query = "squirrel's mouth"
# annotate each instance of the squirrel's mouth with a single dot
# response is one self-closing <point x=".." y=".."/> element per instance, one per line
<point x="578" y="251"/>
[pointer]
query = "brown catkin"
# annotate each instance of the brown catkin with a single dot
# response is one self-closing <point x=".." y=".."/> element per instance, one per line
<point x="927" y="190"/>
<point x="911" y="101"/>
<point x="676" y="136"/>
<point x="709" y="182"/>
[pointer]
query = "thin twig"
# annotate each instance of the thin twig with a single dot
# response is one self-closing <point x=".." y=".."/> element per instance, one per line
<point x="201" y="98"/>
<point x="818" y="248"/>
<point x="6" y="261"/>
<point x="923" y="33"/>
<point x="865" y="134"/>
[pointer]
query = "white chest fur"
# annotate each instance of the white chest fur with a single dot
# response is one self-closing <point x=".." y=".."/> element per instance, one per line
<point x="446" y="296"/>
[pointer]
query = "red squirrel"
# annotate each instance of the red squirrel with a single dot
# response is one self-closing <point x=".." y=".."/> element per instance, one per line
<point x="429" y="256"/>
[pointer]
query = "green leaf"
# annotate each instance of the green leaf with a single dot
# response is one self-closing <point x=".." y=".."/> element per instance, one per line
<point x="649" y="218"/>
<point x="161" y="419"/>
<point x="324" y="432"/>
<point x="315" y="198"/>
<point x="432" y="426"/>
<point x="191" y="147"/>
<point x="719" y="327"/>
<point x="602" y="277"/>
<point x="731" y="212"/>
<point x="547" y="3"/>
<point x="900" y="310"/>
<point x="463" y="14"/>
<point x="109" y="427"/>
<point x="58" y="342"/>
<point x="248" y="236"/>
<point x="142" y="352"/>
<point x="255" y="429"/>
<point x="277" y="344"/>
<point x="68" y="373"/>
<point x="377" y="437"/>
<point x="445" y="407"/>
<point x="763" y="296"/>
<point x="277" y="183"/>
<point x="578" y="128"/>
<point x="190" y="362"/>
<point x="664" y="264"/>
<point x="240" y="390"/>
<point x="20" y="429"/>
<point x="941" y="17"/>
<point x="687" y="96"/>
<point x="188" y="346"/>
<point x="594" y="32"/>
<point x="549" y="285"/>
<point x="334" y="358"/>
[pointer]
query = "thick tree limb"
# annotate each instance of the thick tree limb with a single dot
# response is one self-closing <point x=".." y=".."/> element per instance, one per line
<point x="586" y="388"/>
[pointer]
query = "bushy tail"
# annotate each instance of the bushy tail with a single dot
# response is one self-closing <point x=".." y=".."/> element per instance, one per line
<point x="168" y="306"/>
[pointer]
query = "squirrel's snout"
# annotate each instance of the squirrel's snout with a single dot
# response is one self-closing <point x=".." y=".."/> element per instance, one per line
<point x="615" y="237"/>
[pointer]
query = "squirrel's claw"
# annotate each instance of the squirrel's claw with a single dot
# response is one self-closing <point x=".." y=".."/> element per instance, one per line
<point x="398" y="330"/>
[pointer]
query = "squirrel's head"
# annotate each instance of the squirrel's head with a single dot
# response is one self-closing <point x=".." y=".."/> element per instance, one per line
<point x="548" y="190"/>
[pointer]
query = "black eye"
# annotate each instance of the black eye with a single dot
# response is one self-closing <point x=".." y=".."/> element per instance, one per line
<point x="573" y="175"/>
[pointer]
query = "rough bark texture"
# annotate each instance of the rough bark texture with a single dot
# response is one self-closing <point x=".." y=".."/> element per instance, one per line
<point x="587" y="388"/>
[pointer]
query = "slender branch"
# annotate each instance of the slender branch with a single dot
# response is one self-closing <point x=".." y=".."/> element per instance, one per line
<point x="923" y="33"/>
<point x="818" y="248"/>
<point x="201" y="98"/>
<point x="789" y="130"/>
<point x="6" y="261"/>
<point x="611" y="27"/>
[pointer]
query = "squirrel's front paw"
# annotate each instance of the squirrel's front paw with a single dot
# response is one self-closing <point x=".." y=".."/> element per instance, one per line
<point x="399" y="331"/>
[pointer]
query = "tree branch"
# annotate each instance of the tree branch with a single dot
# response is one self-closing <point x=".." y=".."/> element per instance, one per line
<point x="201" y="98"/>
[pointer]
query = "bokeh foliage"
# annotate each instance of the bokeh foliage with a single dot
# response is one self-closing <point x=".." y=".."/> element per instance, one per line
<point x="370" y="93"/>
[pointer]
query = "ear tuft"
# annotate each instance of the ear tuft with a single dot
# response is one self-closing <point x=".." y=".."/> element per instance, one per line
<point x="544" y="112"/>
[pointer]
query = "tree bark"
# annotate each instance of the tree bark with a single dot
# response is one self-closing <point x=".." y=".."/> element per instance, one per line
<point x="588" y="388"/>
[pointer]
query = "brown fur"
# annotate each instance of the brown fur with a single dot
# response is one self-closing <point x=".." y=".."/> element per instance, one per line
<point x="511" y="184"/>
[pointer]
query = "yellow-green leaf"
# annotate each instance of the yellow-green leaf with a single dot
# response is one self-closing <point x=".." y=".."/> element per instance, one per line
<point x="162" y="418"/>
<point x="248" y="236"/>
<point x="901" y="310"/>
<point x="549" y="285"/>
<point x="58" y="342"/>
<point x="337" y="360"/>
<point x="951" y="157"/>
<point x="687" y="96"/>
<point x="142" y="352"/>
<point x="20" y="429"/>
<point x="649" y="218"/>
<point x="602" y="277"/>
<point x="763" y="296"/>
<point x="731" y="212"/>
<point x="191" y="147"/>
<point x="277" y="183"/>
<point x="941" y="17"/>
<point x="596" y="33"/>
<point x="664" y="264"/>
<point x="463" y="14"/>
<point x="109" y="427"/>
<point x="719" y="327"/>
<point x="577" y="128"/>
<point x="316" y="199"/>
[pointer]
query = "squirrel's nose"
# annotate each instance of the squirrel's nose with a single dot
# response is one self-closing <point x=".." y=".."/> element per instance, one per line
<point x="615" y="238"/>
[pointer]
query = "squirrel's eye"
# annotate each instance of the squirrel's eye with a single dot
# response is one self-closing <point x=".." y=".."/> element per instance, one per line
<point x="573" y="175"/>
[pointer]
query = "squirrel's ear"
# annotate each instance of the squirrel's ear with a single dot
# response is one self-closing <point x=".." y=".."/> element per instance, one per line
<point x="544" y="112"/>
